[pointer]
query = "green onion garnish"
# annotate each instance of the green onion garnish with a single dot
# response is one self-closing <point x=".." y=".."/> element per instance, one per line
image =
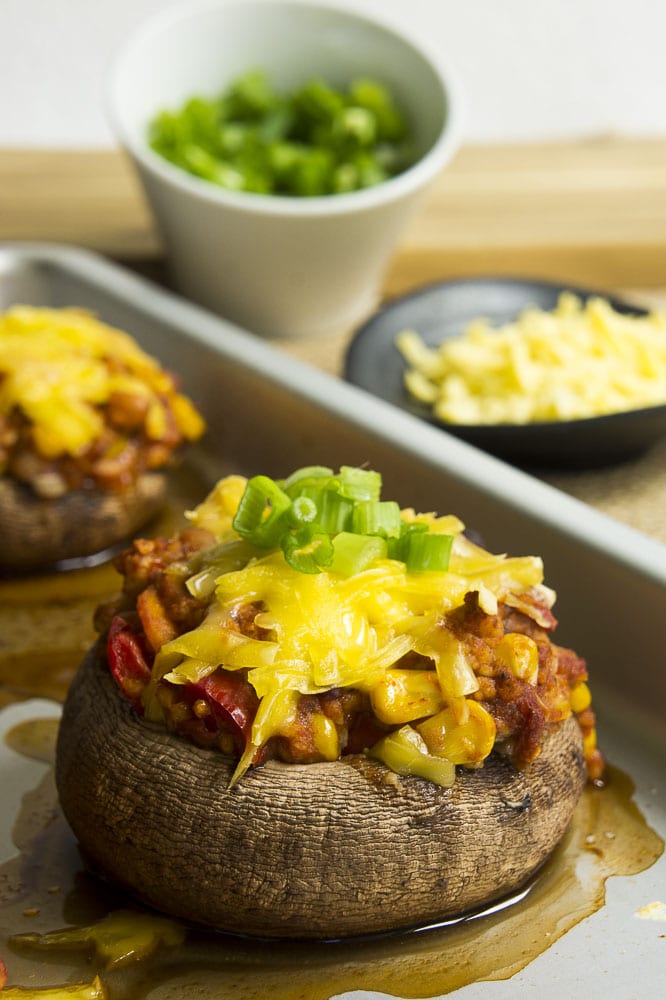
<point x="307" y="552"/>
<point x="260" y="515"/>
<point x="426" y="551"/>
<point x="321" y="520"/>
<point x="354" y="553"/>
<point x="293" y="484"/>
<point x="398" y="547"/>
<point x="334" y="512"/>
<point x="360" y="484"/>
<point x="302" y="511"/>
<point x="377" y="517"/>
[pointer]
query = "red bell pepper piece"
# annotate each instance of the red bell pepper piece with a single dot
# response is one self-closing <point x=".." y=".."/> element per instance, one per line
<point x="128" y="660"/>
<point x="232" y="702"/>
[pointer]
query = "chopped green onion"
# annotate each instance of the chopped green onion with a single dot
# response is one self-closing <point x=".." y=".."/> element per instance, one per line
<point x="202" y="584"/>
<point x="334" y="512"/>
<point x="354" y="553"/>
<point x="307" y="552"/>
<point x="252" y="521"/>
<point x="303" y="510"/>
<point x="360" y="484"/>
<point x="307" y="472"/>
<point x="322" y="520"/>
<point x="397" y="547"/>
<point x="377" y="517"/>
<point x="428" y="552"/>
<point x="314" y="140"/>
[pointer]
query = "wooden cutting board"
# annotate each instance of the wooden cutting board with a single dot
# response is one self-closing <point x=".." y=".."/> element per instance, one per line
<point x="589" y="212"/>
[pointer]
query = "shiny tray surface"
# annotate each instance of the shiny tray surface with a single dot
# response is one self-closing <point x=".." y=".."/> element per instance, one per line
<point x="267" y="412"/>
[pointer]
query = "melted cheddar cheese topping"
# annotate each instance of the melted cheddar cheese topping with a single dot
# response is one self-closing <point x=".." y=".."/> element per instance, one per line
<point x="325" y="631"/>
<point x="59" y="367"/>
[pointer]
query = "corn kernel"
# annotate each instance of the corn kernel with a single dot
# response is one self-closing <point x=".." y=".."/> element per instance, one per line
<point x="520" y="654"/>
<point x="466" y="743"/>
<point x="216" y="512"/>
<point x="581" y="697"/>
<point x="165" y="695"/>
<point x="156" y="421"/>
<point x="190" y="422"/>
<point x="404" y="695"/>
<point x="201" y="708"/>
<point x="325" y="737"/>
<point x="590" y="742"/>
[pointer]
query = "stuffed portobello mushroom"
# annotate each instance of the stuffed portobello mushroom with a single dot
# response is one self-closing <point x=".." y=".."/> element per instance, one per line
<point x="88" y="424"/>
<point x="313" y="714"/>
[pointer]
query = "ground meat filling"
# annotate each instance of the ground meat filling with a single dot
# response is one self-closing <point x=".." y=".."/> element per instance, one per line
<point x="218" y="712"/>
<point x="144" y="567"/>
<point x="522" y="710"/>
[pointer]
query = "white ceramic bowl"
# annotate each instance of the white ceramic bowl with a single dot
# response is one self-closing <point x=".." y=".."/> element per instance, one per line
<point x="279" y="266"/>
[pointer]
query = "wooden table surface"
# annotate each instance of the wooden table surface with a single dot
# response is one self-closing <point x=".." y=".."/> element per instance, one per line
<point x="590" y="213"/>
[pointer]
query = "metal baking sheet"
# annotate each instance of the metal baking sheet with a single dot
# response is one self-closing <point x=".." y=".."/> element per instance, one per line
<point x="267" y="412"/>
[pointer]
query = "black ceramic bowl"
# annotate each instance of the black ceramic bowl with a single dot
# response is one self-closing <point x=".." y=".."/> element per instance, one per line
<point x="443" y="310"/>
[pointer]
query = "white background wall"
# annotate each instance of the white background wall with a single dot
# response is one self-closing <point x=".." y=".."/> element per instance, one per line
<point x="531" y="69"/>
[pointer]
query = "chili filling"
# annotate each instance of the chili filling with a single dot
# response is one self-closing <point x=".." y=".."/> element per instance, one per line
<point x="449" y="685"/>
<point x="82" y="406"/>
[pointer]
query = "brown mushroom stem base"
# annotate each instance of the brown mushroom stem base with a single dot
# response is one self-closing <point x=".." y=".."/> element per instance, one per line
<point x="40" y="533"/>
<point x="319" y="850"/>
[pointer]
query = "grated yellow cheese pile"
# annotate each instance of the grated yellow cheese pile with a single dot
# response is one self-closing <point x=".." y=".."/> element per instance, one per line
<point x="574" y="362"/>
<point x="60" y="366"/>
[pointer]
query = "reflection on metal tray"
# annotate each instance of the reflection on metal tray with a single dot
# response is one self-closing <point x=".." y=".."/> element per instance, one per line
<point x="267" y="412"/>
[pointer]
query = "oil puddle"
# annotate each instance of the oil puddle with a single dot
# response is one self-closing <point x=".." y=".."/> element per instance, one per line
<point x="136" y="954"/>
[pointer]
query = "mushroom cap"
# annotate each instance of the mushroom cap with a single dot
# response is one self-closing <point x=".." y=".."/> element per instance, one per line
<point x="38" y="533"/>
<point x="301" y="851"/>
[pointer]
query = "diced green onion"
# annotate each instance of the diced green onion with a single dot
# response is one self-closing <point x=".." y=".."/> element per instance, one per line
<point x="377" y="517"/>
<point x="227" y="556"/>
<point x="303" y="510"/>
<point x="360" y="484"/>
<point x="428" y="552"/>
<point x="251" y="521"/>
<point x="322" y="520"/>
<point x="307" y="552"/>
<point x="397" y="547"/>
<point x="354" y="553"/>
<point x="306" y="473"/>
<point x="334" y="512"/>
<point x="314" y="140"/>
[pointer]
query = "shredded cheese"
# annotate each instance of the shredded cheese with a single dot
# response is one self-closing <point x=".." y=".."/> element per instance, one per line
<point x="59" y="367"/>
<point x="574" y="362"/>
